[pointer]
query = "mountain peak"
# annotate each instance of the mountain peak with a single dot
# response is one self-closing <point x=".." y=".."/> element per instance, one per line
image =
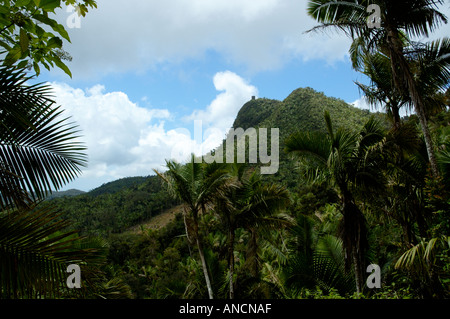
<point x="303" y="109"/>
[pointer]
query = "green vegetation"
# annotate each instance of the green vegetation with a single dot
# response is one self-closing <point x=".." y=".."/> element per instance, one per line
<point x="354" y="188"/>
<point x="38" y="152"/>
<point x="26" y="37"/>
<point x="298" y="247"/>
<point x="115" y="206"/>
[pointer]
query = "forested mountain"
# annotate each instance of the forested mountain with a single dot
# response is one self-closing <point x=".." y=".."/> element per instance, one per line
<point x="117" y="185"/>
<point x="359" y="207"/>
<point x="160" y="260"/>
<point x="117" y="205"/>
<point x="67" y="193"/>
<point x="303" y="109"/>
<point x="298" y="254"/>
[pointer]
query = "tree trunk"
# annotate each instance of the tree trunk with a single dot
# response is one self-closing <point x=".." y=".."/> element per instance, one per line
<point x="427" y="136"/>
<point x="205" y="269"/>
<point x="252" y="253"/>
<point x="396" y="115"/>
<point x="354" y="236"/>
<point x="358" y="273"/>
<point x="231" y="262"/>
<point x="202" y="256"/>
<point x="404" y="80"/>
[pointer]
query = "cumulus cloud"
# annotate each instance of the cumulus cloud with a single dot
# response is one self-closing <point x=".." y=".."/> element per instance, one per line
<point x="261" y="34"/>
<point x="223" y="110"/>
<point x="126" y="139"/>
<point x="112" y="127"/>
<point x="362" y="104"/>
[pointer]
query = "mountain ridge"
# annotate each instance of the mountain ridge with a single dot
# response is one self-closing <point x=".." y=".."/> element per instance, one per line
<point x="302" y="109"/>
<point x="123" y="203"/>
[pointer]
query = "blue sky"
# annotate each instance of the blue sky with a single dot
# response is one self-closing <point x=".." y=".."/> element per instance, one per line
<point x="142" y="74"/>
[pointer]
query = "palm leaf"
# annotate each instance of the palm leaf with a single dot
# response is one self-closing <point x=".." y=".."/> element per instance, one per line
<point x="347" y="16"/>
<point x="37" y="145"/>
<point x="313" y="144"/>
<point x="35" y="250"/>
<point x="329" y="265"/>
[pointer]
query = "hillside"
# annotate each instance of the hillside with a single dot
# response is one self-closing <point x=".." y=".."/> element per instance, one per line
<point x="150" y="252"/>
<point x="157" y="222"/>
<point x="127" y="202"/>
<point x="67" y="193"/>
<point x="303" y="109"/>
<point x="116" y="206"/>
<point x="117" y="185"/>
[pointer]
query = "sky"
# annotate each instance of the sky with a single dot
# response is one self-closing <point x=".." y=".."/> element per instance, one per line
<point x="145" y="71"/>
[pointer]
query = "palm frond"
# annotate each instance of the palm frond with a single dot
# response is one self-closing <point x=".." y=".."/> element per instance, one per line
<point x="37" y="144"/>
<point x="35" y="251"/>
<point x="313" y="144"/>
<point x="329" y="265"/>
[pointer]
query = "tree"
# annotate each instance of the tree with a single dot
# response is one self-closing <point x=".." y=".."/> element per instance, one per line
<point x="430" y="63"/>
<point x="347" y="161"/>
<point x="426" y="261"/>
<point x="196" y="184"/>
<point x="248" y="203"/>
<point x="381" y="91"/>
<point x="398" y="18"/>
<point x="35" y="251"/>
<point x="26" y="37"/>
<point x="316" y="259"/>
<point x="38" y="151"/>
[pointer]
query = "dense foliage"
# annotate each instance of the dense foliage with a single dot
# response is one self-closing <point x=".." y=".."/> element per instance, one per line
<point x="116" y="206"/>
<point x="31" y="37"/>
<point x="354" y="188"/>
<point x="302" y="254"/>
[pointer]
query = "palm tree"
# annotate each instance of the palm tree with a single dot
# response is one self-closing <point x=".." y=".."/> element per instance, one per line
<point x="315" y="259"/>
<point x="430" y="63"/>
<point x="381" y="91"/>
<point x="250" y="204"/>
<point x="346" y="160"/>
<point x="398" y="18"/>
<point x="38" y="151"/>
<point x="196" y="184"/>
<point x="35" y="250"/>
<point x="424" y="261"/>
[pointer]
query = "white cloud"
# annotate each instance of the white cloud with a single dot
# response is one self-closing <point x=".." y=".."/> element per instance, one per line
<point x="125" y="139"/>
<point x="261" y="34"/>
<point x="257" y="34"/>
<point x="362" y="104"/>
<point x="112" y="127"/>
<point x="221" y="113"/>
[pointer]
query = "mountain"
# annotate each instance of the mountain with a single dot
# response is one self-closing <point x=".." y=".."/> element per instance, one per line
<point x="255" y="112"/>
<point x="117" y="185"/>
<point x="67" y="193"/>
<point x="121" y="204"/>
<point x="303" y="109"/>
<point x="116" y="206"/>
